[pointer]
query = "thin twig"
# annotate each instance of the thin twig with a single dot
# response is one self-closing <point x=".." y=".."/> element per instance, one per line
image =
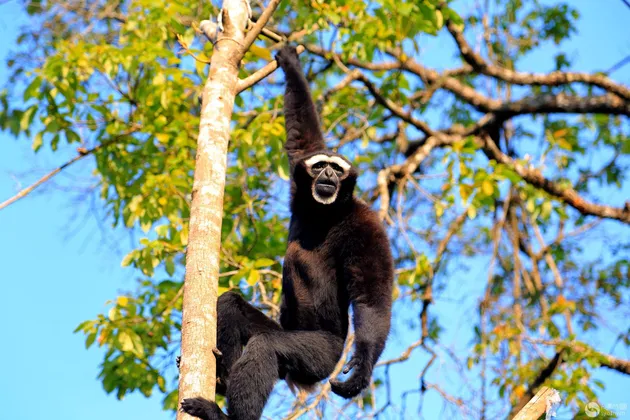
<point x="83" y="153"/>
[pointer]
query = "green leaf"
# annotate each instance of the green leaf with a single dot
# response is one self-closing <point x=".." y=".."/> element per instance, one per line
<point x="72" y="137"/>
<point x="138" y="348"/>
<point x="33" y="89"/>
<point x="83" y="326"/>
<point x="169" y="265"/>
<point x="162" y="230"/>
<point x="263" y="262"/>
<point x="90" y="340"/>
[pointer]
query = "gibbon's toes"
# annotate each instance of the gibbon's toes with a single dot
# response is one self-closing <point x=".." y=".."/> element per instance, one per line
<point x="351" y="364"/>
<point x="178" y="361"/>
<point x="221" y="387"/>
<point x="217" y="353"/>
<point x="350" y="388"/>
<point x="197" y="407"/>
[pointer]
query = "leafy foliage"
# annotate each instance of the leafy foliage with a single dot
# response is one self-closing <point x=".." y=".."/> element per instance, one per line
<point x="124" y="77"/>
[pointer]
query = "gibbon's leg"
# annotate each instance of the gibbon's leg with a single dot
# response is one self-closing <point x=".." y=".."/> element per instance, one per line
<point x="237" y="323"/>
<point x="306" y="357"/>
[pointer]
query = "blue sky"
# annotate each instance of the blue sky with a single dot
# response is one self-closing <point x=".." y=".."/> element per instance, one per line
<point x="60" y="267"/>
<point x="58" y="270"/>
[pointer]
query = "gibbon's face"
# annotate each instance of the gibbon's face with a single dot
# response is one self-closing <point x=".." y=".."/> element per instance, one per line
<point x="328" y="173"/>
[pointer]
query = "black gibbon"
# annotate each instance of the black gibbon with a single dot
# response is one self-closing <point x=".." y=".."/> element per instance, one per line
<point x="338" y="255"/>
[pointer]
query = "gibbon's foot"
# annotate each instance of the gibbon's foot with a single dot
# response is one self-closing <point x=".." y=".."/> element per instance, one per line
<point x="351" y="387"/>
<point x="221" y="387"/>
<point x="203" y="409"/>
<point x="178" y="360"/>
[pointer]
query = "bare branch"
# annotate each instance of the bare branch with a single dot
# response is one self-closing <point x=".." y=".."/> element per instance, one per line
<point x="542" y="376"/>
<point x="82" y="153"/>
<point x="556" y="78"/>
<point x="564" y="193"/>
<point x="395" y="108"/>
<point x="255" y="30"/>
<point x="388" y="175"/>
<point x="564" y="104"/>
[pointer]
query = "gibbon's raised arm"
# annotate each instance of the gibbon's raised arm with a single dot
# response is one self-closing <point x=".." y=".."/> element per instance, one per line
<point x="301" y="121"/>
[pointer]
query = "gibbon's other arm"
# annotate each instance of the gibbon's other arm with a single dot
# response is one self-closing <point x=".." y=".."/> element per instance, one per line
<point x="302" y="124"/>
<point x="371" y="326"/>
<point x="370" y="277"/>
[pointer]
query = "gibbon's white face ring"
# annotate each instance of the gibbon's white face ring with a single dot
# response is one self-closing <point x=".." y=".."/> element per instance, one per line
<point x="313" y="160"/>
<point x="329" y="159"/>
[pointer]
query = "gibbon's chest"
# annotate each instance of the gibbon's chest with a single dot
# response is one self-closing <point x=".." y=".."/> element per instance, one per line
<point x="312" y="285"/>
<point x="311" y="268"/>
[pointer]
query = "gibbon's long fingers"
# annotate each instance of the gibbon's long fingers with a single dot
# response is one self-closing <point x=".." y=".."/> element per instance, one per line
<point x="354" y="361"/>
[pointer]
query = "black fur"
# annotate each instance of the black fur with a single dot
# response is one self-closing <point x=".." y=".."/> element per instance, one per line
<point x="338" y="254"/>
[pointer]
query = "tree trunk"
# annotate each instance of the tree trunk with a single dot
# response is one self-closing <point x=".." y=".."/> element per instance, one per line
<point x="197" y="368"/>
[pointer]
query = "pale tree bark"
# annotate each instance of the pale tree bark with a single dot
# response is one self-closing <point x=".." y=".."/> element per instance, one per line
<point x="197" y="367"/>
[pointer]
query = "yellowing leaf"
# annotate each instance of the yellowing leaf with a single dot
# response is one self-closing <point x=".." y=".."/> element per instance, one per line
<point x="128" y="258"/>
<point x="560" y="133"/>
<point x="162" y="138"/>
<point x="282" y="173"/>
<point x="253" y="278"/>
<point x="183" y="235"/>
<point x="565" y="144"/>
<point x="264" y="262"/>
<point x="125" y="341"/>
<point x="37" y="142"/>
<point x="113" y="314"/>
<point x="159" y="79"/>
<point x="439" y="19"/>
<point x="161" y="383"/>
<point x="487" y="188"/>
<point x="260" y="52"/>
<point x="464" y="191"/>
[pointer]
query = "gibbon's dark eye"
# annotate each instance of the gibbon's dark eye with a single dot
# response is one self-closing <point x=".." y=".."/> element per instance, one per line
<point x="318" y="166"/>
<point x="336" y="168"/>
